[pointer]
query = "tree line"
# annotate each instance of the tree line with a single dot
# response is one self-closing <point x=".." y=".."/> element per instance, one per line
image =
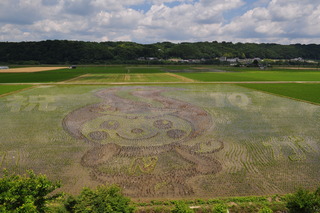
<point x="82" y="52"/>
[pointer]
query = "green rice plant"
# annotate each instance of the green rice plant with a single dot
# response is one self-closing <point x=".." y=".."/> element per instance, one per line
<point x="220" y="208"/>
<point x="253" y="76"/>
<point x="304" y="92"/>
<point x="270" y="145"/>
<point x="4" y="89"/>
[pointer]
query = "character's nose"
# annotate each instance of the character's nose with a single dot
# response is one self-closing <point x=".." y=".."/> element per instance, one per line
<point x="98" y="135"/>
<point x="137" y="131"/>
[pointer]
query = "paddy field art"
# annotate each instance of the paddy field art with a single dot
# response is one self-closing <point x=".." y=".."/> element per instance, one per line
<point x="186" y="139"/>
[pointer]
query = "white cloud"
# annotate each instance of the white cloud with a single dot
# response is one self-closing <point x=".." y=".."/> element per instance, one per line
<point x="282" y="21"/>
<point x="289" y="10"/>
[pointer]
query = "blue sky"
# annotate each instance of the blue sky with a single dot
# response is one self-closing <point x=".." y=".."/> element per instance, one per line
<point x="150" y="21"/>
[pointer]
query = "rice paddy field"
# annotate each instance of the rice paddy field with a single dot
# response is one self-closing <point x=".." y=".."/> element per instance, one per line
<point x="5" y="89"/>
<point x="197" y="137"/>
<point x="254" y="76"/>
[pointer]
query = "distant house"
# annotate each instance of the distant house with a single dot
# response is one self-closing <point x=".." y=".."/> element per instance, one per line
<point x="152" y="58"/>
<point x="174" y="59"/>
<point x="297" y="59"/>
<point x="232" y="60"/>
<point x="223" y="58"/>
<point x="4" y="67"/>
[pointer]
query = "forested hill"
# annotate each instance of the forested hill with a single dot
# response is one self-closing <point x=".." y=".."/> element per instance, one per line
<point x="77" y="52"/>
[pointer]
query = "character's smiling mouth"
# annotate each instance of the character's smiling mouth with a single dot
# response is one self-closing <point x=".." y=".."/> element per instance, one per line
<point x="137" y="134"/>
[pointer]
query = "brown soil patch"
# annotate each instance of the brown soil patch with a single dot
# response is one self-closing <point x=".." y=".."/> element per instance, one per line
<point x="184" y="79"/>
<point x="31" y="69"/>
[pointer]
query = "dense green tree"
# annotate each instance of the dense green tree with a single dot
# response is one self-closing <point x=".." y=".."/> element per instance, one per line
<point x="25" y="193"/>
<point x="66" y="52"/>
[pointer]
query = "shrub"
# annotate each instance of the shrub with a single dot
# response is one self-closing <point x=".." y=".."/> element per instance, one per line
<point x="304" y="201"/>
<point x="103" y="199"/>
<point x="181" y="207"/>
<point x="265" y="210"/>
<point x="220" y="208"/>
<point x="26" y="193"/>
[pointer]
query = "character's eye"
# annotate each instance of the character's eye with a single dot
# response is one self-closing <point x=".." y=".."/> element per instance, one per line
<point x="110" y="125"/>
<point x="137" y="131"/>
<point x="98" y="135"/>
<point x="163" y="124"/>
<point x="176" y="133"/>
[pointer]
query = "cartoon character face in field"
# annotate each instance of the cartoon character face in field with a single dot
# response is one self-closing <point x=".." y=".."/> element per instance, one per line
<point x="128" y="122"/>
<point x="136" y="130"/>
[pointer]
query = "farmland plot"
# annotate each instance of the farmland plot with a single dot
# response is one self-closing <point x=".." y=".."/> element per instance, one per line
<point x="163" y="141"/>
<point x="145" y="77"/>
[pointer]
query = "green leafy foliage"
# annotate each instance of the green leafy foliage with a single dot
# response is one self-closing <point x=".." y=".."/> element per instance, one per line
<point x="103" y="199"/>
<point x="181" y="207"/>
<point x="304" y="201"/>
<point x="27" y="193"/>
<point x="80" y="52"/>
<point x="220" y="208"/>
<point x="265" y="210"/>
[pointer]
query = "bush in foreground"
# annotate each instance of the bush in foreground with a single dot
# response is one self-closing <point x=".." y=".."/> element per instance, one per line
<point x="220" y="208"/>
<point x="304" y="201"/>
<point x="181" y="207"/>
<point x="103" y="199"/>
<point x="27" y="193"/>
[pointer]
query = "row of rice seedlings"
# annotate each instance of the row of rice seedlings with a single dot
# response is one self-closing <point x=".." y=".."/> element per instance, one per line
<point x="233" y="157"/>
<point x="10" y="159"/>
<point x="260" y="154"/>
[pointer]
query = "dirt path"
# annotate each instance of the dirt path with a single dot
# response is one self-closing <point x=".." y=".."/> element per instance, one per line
<point x="161" y="83"/>
<point x="30" y="69"/>
<point x="76" y="78"/>
<point x="298" y="68"/>
<point x="184" y="79"/>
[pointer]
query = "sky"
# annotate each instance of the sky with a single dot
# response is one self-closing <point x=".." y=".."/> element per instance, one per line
<point x="151" y="21"/>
